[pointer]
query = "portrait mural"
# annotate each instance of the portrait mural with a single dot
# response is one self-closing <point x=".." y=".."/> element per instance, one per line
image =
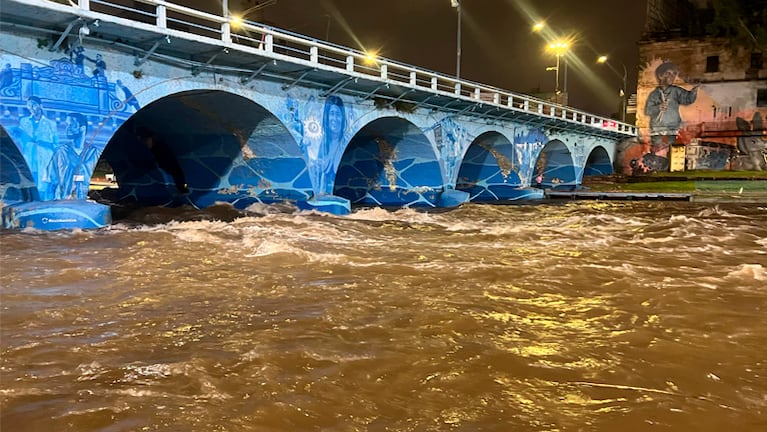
<point x="705" y="120"/>
<point x="60" y="116"/>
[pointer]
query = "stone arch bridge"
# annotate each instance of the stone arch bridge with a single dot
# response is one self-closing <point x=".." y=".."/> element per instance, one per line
<point x="181" y="107"/>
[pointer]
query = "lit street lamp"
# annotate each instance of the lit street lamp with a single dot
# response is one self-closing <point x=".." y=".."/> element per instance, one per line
<point x="603" y="60"/>
<point x="457" y="4"/>
<point x="559" y="48"/>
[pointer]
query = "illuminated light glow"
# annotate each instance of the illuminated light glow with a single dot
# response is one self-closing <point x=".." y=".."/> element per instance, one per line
<point x="539" y="26"/>
<point x="235" y="21"/>
<point x="602" y="59"/>
<point x="559" y="46"/>
<point x="371" y="57"/>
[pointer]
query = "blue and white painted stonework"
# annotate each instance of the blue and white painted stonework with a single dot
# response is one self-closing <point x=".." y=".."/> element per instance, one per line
<point x="259" y="142"/>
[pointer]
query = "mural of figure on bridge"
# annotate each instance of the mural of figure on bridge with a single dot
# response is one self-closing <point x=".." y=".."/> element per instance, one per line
<point x="451" y="138"/>
<point x="77" y="57"/>
<point x="99" y="65"/>
<point x="333" y="132"/>
<point x="128" y="98"/>
<point x="37" y="138"/>
<point x="72" y="164"/>
<point x="662" y="108"/>
<point x="528" y="144"/>
<point x="292" y="116"/>
<point x="324" y="130"/>
<point x="6" y="76"/>
<point x="39" y="116"/>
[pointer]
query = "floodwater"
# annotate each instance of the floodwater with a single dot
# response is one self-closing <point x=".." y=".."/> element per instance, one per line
<point x="576" y="316"/>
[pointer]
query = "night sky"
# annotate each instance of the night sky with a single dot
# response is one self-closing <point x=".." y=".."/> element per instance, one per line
<point x="499" y="47"/>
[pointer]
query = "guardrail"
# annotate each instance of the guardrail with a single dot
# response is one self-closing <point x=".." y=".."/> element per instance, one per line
<point x="233" y="33"/>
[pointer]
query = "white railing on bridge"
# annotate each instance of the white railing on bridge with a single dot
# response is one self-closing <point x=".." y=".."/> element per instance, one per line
<point x="224" y="29"/>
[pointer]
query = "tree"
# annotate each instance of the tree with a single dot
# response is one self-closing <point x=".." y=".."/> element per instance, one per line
<point x="743" y="21"/>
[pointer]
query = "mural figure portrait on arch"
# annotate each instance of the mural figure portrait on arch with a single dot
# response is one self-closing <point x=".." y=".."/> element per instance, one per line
<point x="333" y="132"/>
<point x="72" y="164"/>
<point x="6" y="76"/>
<point x="36" y="137"/>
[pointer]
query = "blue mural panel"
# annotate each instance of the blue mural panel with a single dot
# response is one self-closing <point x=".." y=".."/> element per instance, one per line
<point x="60" y="119"/>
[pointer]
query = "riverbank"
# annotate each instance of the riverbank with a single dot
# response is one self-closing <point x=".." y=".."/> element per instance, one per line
<point x="707" y="186"/>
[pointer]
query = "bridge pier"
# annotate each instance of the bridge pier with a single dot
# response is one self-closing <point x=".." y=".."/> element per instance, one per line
<point x="326" y="203"/>
<point x="452" y="198"/>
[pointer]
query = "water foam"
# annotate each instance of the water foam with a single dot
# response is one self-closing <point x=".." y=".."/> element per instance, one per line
<point x="749" y="272"/>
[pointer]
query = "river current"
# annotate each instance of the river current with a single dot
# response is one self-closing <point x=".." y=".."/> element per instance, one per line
<point x="573" y="316"/>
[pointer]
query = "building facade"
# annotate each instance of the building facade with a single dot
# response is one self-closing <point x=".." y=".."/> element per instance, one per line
<point x="701" y="94"/>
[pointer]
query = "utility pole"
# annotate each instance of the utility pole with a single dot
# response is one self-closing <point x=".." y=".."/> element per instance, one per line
<point x="457" y="4"/>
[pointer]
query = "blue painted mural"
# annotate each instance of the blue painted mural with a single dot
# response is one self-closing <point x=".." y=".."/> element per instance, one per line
<point x="49" y="112"/>
<point x="171" y="137"/>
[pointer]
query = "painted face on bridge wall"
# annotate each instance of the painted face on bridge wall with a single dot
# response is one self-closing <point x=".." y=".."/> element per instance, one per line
<point x="333" y="131"/>
<point x="335" y="120"/>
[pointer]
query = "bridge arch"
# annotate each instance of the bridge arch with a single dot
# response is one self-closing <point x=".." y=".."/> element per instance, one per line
<point x="389" y="162"/>
<point x="208" y="146"/>
<point x="555" y="165"/>
<point x="489" y="169"/>
<point x="598" y="163"/>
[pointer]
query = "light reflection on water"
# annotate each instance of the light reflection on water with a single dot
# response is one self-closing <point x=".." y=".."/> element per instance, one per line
<point x="579" y="316"/>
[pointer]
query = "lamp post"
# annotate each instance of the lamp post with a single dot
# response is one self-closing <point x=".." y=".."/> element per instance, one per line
<point x="457" y="4"/>
<point x="559" y="47"/>
<point x="603" y="60"/>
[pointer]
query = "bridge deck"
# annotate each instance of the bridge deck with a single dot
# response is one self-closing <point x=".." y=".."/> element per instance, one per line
<point x="205" y="41"/>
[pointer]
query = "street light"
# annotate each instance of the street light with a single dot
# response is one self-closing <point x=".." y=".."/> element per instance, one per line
<point x="457" y="4"/>
<point x="371" y="57"/>
<point x="603" y="60"/>
<point x="559" y="48"/>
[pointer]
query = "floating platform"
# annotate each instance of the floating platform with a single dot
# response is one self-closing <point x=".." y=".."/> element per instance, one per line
<point x="619" y="196"/>
<point x="55" y="215"/>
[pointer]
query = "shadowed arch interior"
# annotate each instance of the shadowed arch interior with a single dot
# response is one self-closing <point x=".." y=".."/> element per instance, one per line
<point x="389" y="162"/>
<point x="227" y="147"/>
<point x="489" y="170"/>
<point x="555" y="165"/>
<point x="598" y="163"/>
<point x="16" y="182"/>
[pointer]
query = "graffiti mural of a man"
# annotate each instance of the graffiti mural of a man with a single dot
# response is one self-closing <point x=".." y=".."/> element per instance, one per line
<point x="662" y="108"/>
